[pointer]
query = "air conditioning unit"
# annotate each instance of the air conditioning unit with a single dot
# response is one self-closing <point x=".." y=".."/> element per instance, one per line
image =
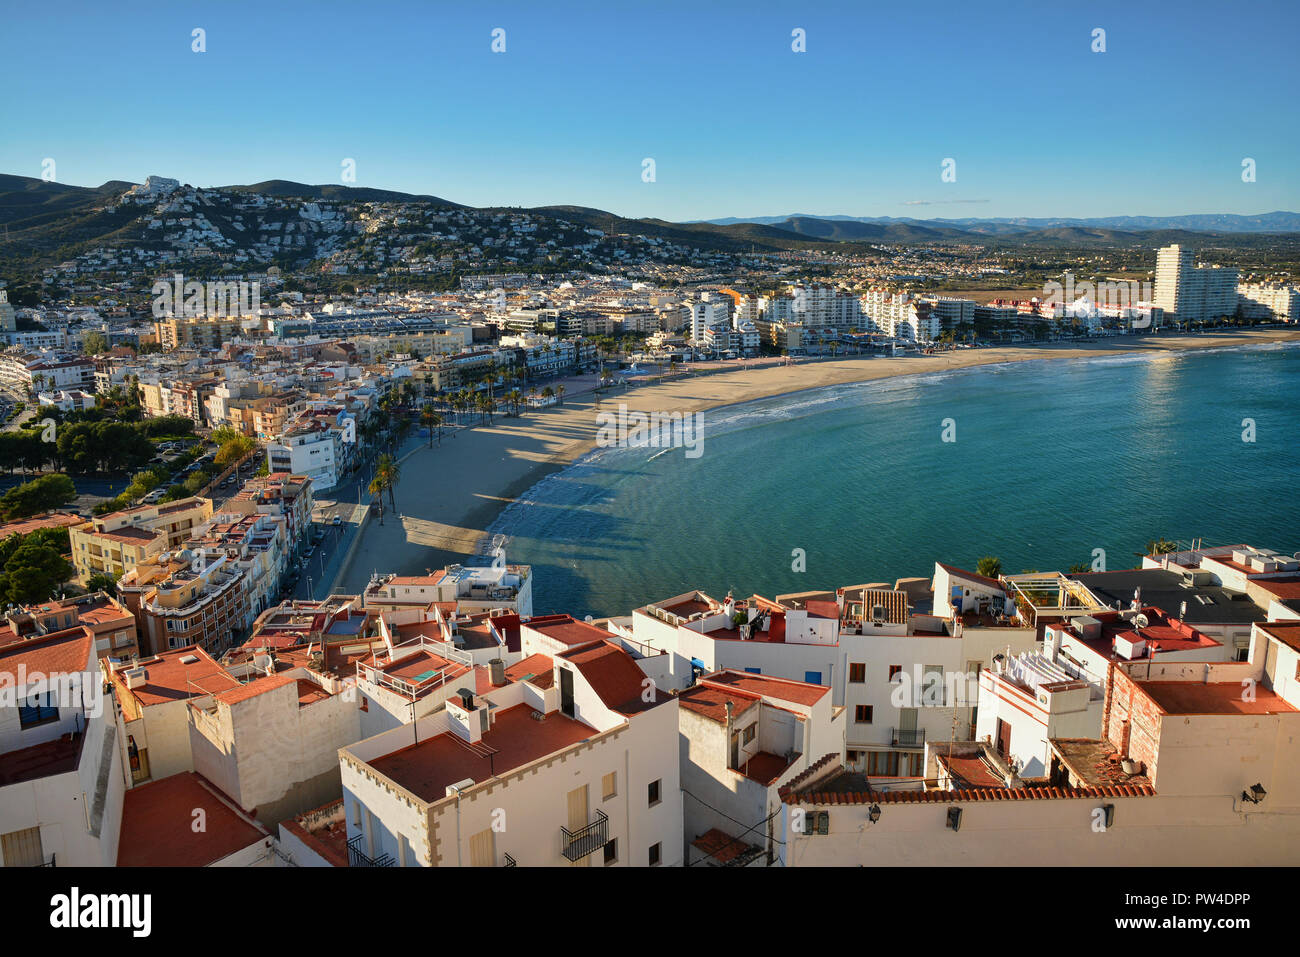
<point x="136" y="678"/>
<point x="459" y="786"/>
<point x="1130" y="648"/>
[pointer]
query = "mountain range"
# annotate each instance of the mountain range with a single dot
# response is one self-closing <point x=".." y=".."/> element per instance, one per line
<point x="54" y="220"/>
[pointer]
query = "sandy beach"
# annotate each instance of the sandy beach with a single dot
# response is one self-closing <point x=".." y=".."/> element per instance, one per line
<point x="449" y="495"/>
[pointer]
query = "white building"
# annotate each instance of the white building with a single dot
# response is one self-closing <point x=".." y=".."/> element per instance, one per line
<point x="1275" y="301"/>
<point x="572" y="760"/>
<point x="745" y="736"/>
<point x="1192" y="293"/>
<point x="61" y="781"/>
<point x="1188" y="771"/>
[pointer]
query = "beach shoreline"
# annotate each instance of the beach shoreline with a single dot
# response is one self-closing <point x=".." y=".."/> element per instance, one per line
<point x="450" y="495"/>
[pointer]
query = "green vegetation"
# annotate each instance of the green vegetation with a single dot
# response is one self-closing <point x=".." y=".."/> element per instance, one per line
<point x="39" y="495"/>
<point x="32" y="566"/>
<point x="989" y="566"/>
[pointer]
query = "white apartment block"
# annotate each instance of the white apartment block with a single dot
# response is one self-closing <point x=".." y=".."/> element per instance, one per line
<point x="823" y="307"/>
<point x="315" y="453"/>
<point x="744" y="737"/>
<point x="1275" y="301"/>
<point x="1187" y="771"/>
<point x="1192" y="293"/>
<point x="61" y="782"/>
<point x="902" y="316"/>
<point x="705" y="314"/>
<point x="571" y="760"/>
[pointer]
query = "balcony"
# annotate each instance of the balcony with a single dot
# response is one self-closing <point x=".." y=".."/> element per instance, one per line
<point x="358" y="858"/>
<point x="586" y="840"/>
<point x="908" y="738"/>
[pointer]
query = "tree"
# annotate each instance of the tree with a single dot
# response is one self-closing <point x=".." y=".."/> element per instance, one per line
<point x="989" y="566"/>
<point x="101" y="583"/>
<point x="377" y="494"/>
<point x="94" y="343"/>
<point x="388" y="472"/>
<point x="39" y="495"/>
<point x="32" y="573"/>
<point x="1161" y="546"/>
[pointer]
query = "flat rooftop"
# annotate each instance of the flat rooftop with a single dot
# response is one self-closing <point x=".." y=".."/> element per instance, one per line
<point x="156" y="819"/>
<point x="427" y="768"/>
<point x="1094" y="763"/>
<point x="1215" y="697"/>
<point x="59" y="756"/>
<point x="1206" y="604"/>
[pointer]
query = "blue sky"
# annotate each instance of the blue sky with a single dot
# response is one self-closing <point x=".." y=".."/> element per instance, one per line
<point x="738" y="124"/>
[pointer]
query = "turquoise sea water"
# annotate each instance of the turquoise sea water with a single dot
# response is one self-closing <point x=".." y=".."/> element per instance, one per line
<point x="1052" y="460"/>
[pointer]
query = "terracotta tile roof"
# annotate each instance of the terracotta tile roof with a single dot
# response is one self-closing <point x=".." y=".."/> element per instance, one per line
<point x="720" y="846"/>
<point x="766" y="686"/>
<point x="157" y="823"/>
<point x="710" y="701"/>
<point x="566" y="629"/>
<point x="1287" y="632"/>
<point x="963" y="573"/>
<point x="613" y="675"/>
<point x="537" y="670"/>
<point x="59" y="652"/>
<point x="170" y="679"/>
<point x="972" y="794"/>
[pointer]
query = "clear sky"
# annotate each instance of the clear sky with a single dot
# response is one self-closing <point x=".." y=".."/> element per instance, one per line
<point x="737" y="123"/>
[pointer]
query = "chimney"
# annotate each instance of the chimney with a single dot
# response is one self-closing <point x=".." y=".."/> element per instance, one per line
<point x="497" y="669"/>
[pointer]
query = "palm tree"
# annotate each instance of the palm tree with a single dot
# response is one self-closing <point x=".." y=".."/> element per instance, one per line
<point x="388" y="472"/>
<point x="426" y="419"/>
<point x="548" y="392"/>
<point x="377" y="494"/>
<point x="514" y="397"/>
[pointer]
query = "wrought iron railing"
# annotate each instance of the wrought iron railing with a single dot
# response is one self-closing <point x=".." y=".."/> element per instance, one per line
<point x="909" y="738"/>
<point x="586" y="840"/>
<point x="358" y="858"/>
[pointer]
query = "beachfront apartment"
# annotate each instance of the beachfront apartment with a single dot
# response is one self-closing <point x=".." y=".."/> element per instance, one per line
<point x="743" y="737"/>
<point x="1278" y="302"/>
<point x="1191" y="293"/>
<point x="281" y="495"/>
<point x="473" y="589"/>
<point x="571" y="762"/>
<point x="1196" y="765"/>
<point x="902" y="316"/>
<point x="114" y="544"/>
<point x="61" y="782"/>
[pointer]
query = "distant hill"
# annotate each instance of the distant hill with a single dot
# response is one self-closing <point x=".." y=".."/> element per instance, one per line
<point x="45" y="221"/>
<point x="1276" y="222"/>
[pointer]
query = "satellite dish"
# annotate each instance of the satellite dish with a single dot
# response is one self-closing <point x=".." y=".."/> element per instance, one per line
<point x="1140" y="621"/>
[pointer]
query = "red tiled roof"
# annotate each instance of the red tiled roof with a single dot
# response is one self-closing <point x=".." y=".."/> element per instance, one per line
<point x="710" y="701"/>
<point x="59" y="652"/>
<point x="567" y="630"/>
<point x="258" y="686"/>
<point x="537" y="670"/>
<point x="963" y="573"/>
<point x="612" y="674"/>
<point x="784" y="689"/>
<point x="157" y="825"/>
<point x="789" y="796"/>
<point x="170" y="679"/>
<point x="1287" y="632"/>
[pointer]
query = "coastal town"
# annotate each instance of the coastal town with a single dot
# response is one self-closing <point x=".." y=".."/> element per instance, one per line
<point x="223" y="597"/>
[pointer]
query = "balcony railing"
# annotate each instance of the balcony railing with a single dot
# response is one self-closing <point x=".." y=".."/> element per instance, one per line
<point x="909" y="738"/>
<point x="586" y="840"/>
<point x="358" y="858"/>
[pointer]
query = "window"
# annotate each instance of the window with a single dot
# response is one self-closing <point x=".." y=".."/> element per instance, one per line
<point x="39" y="709"/>
<point x="654" y="793"/>
<point x="611" y="851"/>
<point x="812" y="677"/>
<point x="654" y="855"/>
<point x="857" y="673"/>
<point x="609" y="785"/>
<point x="747" y="735"/>
<point x="895" y="672"/>
<point x="754" y="671"/>
<point x="863" y="714"/>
